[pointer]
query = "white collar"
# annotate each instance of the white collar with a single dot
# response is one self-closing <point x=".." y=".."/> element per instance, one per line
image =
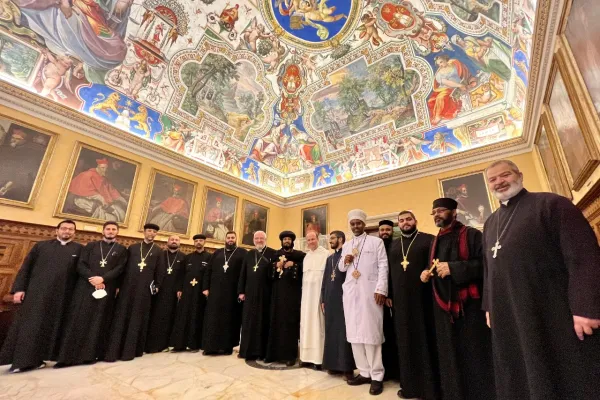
<point x="63" y="242"/>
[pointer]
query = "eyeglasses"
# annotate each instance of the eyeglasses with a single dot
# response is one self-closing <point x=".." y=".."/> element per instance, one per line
<point x="439" y="211"/>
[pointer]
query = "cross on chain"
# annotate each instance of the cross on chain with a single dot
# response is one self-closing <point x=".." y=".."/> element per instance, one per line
<point x="255" y="267"/>
<point x="102" y="263"/>
<point x="496" y="248"/>
<point x="169" y="270"/>
<point x="405" y="263"/>
<point x="142" y="265"/>
<point x="194" y="282"/>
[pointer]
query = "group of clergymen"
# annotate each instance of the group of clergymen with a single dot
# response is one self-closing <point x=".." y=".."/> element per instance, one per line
<point x="506" y="314"/>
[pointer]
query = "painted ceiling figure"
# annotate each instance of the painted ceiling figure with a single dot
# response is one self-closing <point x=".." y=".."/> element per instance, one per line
<point x="490" y="54"/>
<point x="229" y="17"/>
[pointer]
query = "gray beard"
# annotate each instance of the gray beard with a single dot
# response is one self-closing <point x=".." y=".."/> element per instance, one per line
<point x="260" y="248"/>
<point x="512" y="192"/>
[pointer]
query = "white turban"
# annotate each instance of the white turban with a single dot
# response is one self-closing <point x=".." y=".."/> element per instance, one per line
<point x="357" y="214"/>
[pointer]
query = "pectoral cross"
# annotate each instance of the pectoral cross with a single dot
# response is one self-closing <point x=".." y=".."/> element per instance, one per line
<point x="194" y="282"/>
<point x="333" y="275"/>
<point x="255" y="267"/>
<point x="225" y="266"/>
<point x="356" y="274"/>
<point x="169" y="270"/>
<point x="142" y="265"/>
<point x="282" y="259"/>
<point x="405" y="263"/>
<point x="103" y="263"/>
<point x="496" y="248"/>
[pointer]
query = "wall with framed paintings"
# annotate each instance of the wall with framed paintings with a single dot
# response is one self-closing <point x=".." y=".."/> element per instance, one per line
<point x="60" y="166"/>
<point x="416" y="195"/>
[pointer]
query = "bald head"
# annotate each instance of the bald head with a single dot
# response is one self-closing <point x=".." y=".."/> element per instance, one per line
<point x="173" y="243"/>
<point x="312" y="240"/>
<point x="260" y="240"/>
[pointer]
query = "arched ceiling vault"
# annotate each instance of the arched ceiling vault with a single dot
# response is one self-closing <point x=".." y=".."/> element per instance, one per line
<point x="296" y="99"/>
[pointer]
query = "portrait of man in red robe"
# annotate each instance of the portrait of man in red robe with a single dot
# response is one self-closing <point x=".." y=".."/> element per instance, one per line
<point x="172" y="213"/>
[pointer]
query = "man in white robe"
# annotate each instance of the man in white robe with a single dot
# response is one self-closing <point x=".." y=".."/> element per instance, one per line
<point x="312" y="320"/>
<point x="365" y="291"/>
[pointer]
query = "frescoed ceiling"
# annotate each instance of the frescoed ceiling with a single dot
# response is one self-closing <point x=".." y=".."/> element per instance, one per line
<point x="289" y="95"/>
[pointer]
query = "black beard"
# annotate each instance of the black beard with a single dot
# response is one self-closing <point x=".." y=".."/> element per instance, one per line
<point x="287" y="246"/>
<point x="230" y="246"/>
<point x="410" y="231"/>
<point x="387" y="241"/>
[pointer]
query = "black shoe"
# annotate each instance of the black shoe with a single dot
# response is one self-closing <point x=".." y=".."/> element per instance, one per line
<point x="305" y="364"/>
<point x="290" y="363"/>
<point x="358" y="380"/>
<point x="227" y="352"/>
<point x="61" y="365"/>
<point x="209" y="353"/>
<point x="317" y="367"/>
<point x="376" y="388"/>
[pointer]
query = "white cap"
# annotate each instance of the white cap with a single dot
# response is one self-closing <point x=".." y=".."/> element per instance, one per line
<point x="357" y="214"/>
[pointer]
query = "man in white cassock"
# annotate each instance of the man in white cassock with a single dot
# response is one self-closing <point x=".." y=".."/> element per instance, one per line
<point x="365" y="290"/>
<point x="312" y="320"/>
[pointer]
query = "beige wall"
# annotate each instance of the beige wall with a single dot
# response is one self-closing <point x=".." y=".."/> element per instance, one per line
<point x="415" y="195"/>
<point x="45" y="204"/>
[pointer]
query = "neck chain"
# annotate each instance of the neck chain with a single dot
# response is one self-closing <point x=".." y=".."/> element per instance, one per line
<point x="103" y="259"/>
<point x="256" y="261"/>
<point x="356" y="260"/>
<point x="142" y="264"/>
<point x="497" y="245"/>
<point x="334" y="267"/>
<point x="169" y="263"/>
<point x="226" y="265"/>
<point x="405" y="261"/>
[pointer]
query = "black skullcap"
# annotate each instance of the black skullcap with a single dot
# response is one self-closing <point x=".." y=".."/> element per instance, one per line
<point x="386" y="222"/>
<point x="152" y="226"/>
<point x="199" y="236"/>
<point x="289" y="234"/>
<point x="445" y="202"/>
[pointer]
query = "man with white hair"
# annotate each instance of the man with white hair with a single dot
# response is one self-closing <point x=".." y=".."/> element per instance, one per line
<point x="540" y="292"/>
<point x="312" y="320"/>
<point x="254" y="289"/>
<point x="365" y="291"/>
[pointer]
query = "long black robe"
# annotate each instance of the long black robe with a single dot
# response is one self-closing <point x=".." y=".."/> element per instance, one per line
<point x="463" y="340"/>
<point x="389" y="348"/>
<point x="47" y="277"/>
<point x="164" y="303"/>
<point x="223" y="315"/>
<point x="337" y="355"/>
<point x="88" y="320"/>
<point x="187" y="329"/>
<point x="284" y="331"/>
<point x="545" y="272"/>
<point x="130" y="323"/>
<point x="413" y="318"/>
<point x="256" y="286"/>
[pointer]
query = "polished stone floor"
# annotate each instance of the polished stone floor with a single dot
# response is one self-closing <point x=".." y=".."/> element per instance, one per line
<point x="180" y="376"/>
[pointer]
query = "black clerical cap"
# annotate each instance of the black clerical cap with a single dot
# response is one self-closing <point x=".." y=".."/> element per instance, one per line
<point x="199" y="236"/>
<point x="289" y="234"/>
<point x="386" y="222"/>
<point x="445" y="202"/>
<point x="152" y="226"/>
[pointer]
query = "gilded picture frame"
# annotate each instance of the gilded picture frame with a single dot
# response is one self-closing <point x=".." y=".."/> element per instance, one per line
<point x="217" y="219"/>
<point x="40" y="174"/>
<point x="568" y="118"/>
<point x="249" y="226"/>
<point x="472" y="210"/>
<point x="168" y="208"/>
<point x="546" y="149"/>
<point x="64" y="207"/>
<point x="315" y="216"/>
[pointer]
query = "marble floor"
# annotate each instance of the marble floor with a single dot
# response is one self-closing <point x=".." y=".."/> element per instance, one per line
<point x="180" y="376"/>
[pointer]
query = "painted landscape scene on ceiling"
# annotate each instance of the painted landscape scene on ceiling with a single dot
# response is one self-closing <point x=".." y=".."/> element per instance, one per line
<point x="289" y="95"/>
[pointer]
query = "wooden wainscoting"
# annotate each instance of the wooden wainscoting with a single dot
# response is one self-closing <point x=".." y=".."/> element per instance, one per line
<point x="590" y="206"/>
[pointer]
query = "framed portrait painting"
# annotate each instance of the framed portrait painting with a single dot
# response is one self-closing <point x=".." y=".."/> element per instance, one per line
<point x="255" y="218"/>
<point x="547" y="151"/>
<point x="98" y="186"/>
<point x="581" y="27"/>
<point x="24" y="156"/>
<point x="218" y="217"/>
<point x="475" y="202"/>
<point x="577" y="147"/>
<point x="169" y="203"/>
<point x="315" y="219"/>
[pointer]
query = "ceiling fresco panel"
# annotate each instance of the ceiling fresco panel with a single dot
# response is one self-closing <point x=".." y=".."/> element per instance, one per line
<point x="288" y="95"/>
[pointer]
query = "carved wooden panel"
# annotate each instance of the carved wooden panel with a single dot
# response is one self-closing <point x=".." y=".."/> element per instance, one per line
<point x="17" y="239"/>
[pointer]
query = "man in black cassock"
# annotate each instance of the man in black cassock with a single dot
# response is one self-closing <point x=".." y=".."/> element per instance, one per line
<point x="254" y="290"/>
<point x="389" y="349"/>
<point x="413" y="311"/>
<point x="187" y="329"/>
<point x="44" y="285"/>
<point x="223" y="316"/>
<point x="99" y="268"/>
<point x="286" y="273"/>
<point x="164" y="303"/>
<point x="132" y="313"/>
<point x="462" y="336"/>
<point x="337" y="356"/>
<point x="541" y="292"/>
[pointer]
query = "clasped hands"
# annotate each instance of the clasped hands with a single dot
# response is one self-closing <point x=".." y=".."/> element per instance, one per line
<point x="281" y="265"/>
<point x="97" y="282"/>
